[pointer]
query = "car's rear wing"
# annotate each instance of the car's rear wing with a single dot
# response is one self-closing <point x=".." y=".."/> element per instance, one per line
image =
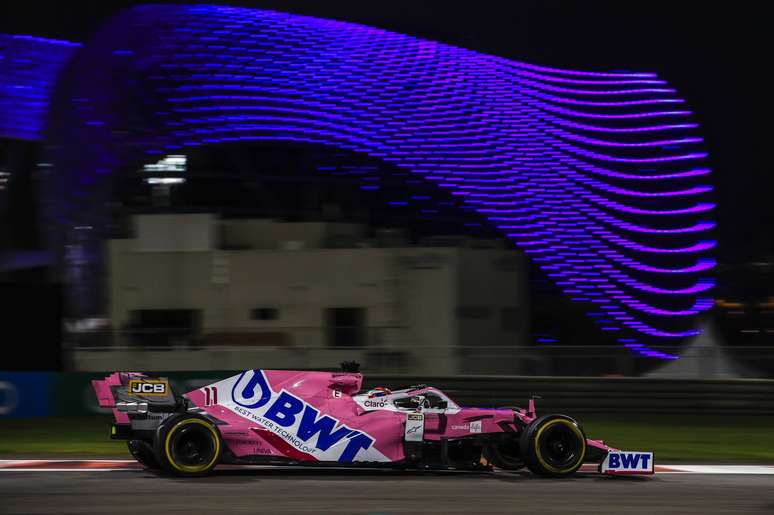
<point x="134" y="393"/>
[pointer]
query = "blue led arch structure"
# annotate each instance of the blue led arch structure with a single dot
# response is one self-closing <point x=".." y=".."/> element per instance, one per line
<point x="600" y="178"/>
<point x="29" y="66"/>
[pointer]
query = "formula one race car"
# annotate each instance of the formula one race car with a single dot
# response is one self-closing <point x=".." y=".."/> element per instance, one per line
<point x="291" y="417"/>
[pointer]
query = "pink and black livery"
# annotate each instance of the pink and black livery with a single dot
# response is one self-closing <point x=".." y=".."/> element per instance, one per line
<point x="319" y="418"/>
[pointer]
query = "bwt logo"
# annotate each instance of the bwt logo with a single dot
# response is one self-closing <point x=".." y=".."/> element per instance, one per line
<point x="299" y="418"/>
<point x="147" y="387"/>
<point x="255" y="393"/>
<point x="628" y="461"/>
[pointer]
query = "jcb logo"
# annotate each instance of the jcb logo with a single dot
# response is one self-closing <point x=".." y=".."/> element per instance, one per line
<point x="148" y="387"/>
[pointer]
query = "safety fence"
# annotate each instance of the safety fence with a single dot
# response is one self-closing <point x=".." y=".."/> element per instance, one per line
<point x="37" y="394"/>
<point x="606" y="395"/>
<point x="410" y="358"/>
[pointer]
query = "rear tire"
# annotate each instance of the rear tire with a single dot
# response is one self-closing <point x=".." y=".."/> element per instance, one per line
<point x="142" y="451"/>
<point x="188" y="445"/>
<point x="553" y="446"/>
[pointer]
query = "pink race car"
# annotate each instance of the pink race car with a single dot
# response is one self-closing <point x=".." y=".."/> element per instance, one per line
<point x="292" y="417"/>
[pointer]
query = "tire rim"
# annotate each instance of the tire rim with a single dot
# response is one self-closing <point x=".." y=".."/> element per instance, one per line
<point x="192" y="447"/>
<point x="560" y="446"/>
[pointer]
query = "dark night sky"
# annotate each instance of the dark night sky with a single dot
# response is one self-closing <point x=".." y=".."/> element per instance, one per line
<point x="716" y="55"/>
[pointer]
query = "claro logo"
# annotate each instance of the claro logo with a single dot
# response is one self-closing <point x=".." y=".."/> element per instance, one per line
<point x="157" y="387"/>
<point x="375" y="404"/>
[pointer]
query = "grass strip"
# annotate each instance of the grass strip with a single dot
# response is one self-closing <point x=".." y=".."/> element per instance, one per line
<point x="673" y="438"/>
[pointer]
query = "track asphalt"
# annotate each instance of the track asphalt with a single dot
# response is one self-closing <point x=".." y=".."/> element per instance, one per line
<point x="118" y="486"/>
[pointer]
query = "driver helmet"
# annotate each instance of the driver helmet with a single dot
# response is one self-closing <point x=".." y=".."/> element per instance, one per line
<point x="379" y="391"/>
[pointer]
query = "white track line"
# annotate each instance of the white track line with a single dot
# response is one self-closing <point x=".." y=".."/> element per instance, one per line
<point x="105" y="465"/>
<point x="722" y="469"/>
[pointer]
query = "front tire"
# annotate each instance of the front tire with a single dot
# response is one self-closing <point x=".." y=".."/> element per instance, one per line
<point x="553" y="446"/>
<point x="188" y="445"/>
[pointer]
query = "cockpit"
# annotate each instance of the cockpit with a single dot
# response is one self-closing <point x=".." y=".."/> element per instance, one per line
<point x="415" y="398"/>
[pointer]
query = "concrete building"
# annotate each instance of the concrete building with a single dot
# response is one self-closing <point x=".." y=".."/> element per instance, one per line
<point x="262" y="293"/>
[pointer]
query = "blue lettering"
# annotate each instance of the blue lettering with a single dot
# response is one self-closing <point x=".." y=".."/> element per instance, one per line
<point x="248" y="392"/>
<point x="251" y="390"/>
<point x="284" y="410"/>
<point x="630" y="461"/>
<point x="356" y="443"/>
<point x="645" y="460"/>
<point x="615" y="461"/>
<point x="310" y="426"/>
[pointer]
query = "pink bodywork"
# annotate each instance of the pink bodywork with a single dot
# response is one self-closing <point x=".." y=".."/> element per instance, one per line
<point x="331" y="394"/>
<point x="318" y="389"/>
<point x="105" y="395"/>
<point x="305" y="399"/>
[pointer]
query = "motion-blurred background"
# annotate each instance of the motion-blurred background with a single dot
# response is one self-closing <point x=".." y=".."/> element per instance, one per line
<point x="269" y="255"/>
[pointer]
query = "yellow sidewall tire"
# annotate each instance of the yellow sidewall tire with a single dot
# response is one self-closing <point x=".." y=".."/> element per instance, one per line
<point x="537" y="462"/>
<point x="166" y="438"/>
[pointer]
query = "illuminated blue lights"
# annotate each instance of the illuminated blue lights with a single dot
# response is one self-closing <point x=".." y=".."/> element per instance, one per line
<point x="28" y="68"/>
<point x="599" y="177"/>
